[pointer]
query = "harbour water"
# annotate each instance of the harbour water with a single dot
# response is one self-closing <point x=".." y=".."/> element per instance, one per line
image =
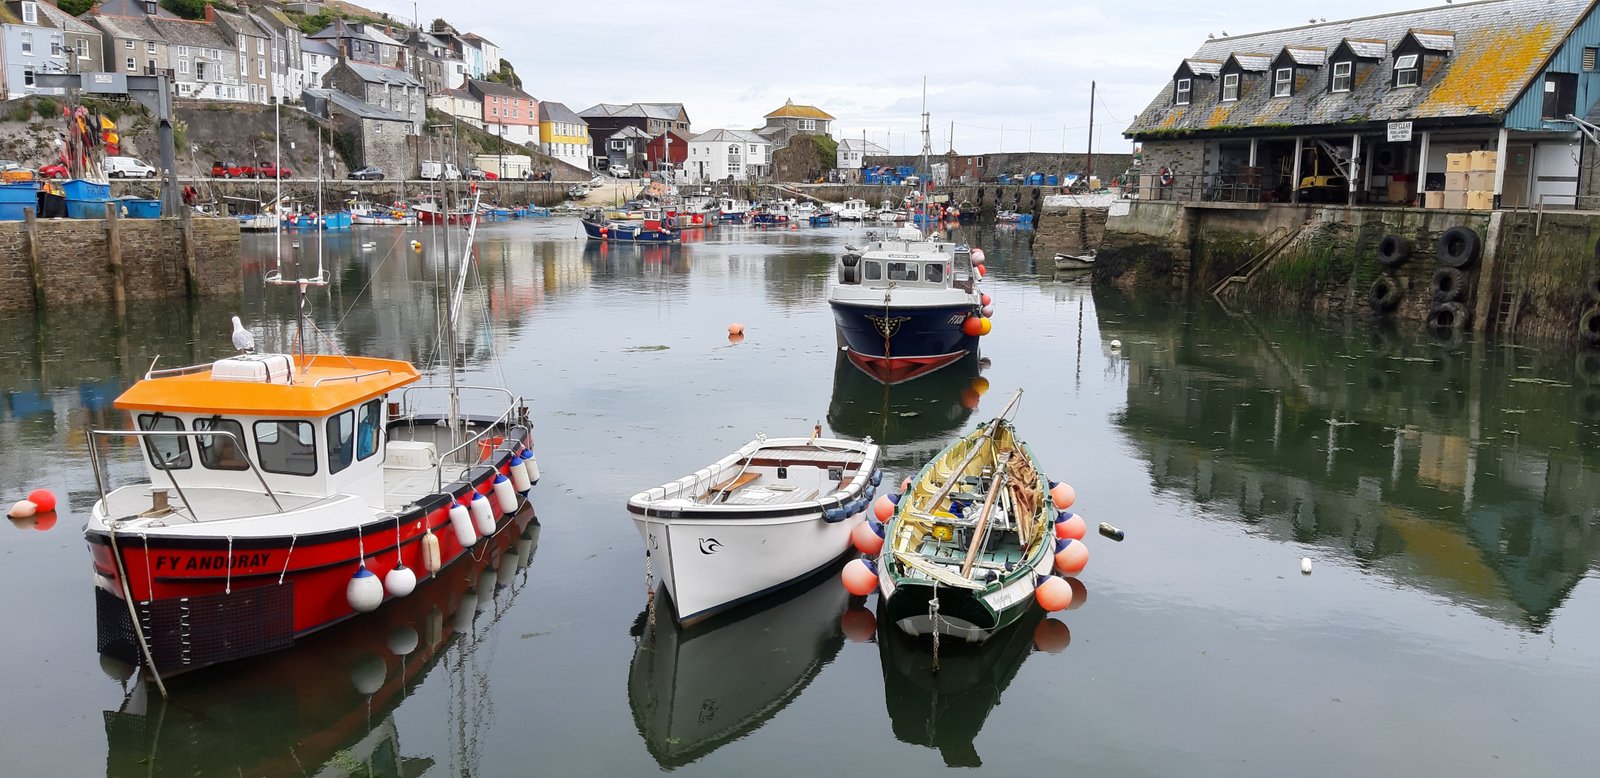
<point x="1446" y="494"/>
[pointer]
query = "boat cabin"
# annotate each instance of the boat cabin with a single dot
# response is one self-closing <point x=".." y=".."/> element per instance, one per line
<point x="908" y="263"/>
<point x="309" y="426"/>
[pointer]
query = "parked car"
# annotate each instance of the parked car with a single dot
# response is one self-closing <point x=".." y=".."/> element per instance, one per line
<point x="368" y="173"/>
<point x="621" y="172"/>
<point x="479" y="174"/>
<point x="59" y="170"/>
<point x="271" y="170"/>
<point x="231" y="170"/>
<point x="125" y="167"/>
<point x="433" y="171"/>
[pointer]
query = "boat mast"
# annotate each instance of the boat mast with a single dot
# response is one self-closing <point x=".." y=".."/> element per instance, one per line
<point x="927" y="169"/>
<point x="277" y="202"/>
<point x="1089" y="173"/>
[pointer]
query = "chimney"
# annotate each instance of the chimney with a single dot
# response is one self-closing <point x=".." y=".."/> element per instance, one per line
<point x="211" y="14"/>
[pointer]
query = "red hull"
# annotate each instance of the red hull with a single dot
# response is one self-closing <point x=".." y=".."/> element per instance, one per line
<point x="433" y="217"/>
<point x="229" y="582"/>
<point x="895" y="370"/>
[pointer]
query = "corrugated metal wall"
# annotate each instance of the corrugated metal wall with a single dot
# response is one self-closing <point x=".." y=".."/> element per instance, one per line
<point x="1528" y="112"/>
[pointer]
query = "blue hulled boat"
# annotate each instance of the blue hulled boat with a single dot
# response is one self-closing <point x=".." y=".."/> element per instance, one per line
<point x="902" y="306"/>
<point x="648" y="230"/>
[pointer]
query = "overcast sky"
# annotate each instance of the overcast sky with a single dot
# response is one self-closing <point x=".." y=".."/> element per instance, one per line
<point x="989" y="63"/>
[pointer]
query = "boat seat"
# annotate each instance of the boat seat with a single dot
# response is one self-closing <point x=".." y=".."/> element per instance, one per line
<point x="726" y="488"/>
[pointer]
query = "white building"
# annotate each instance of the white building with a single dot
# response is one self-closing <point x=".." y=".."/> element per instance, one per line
<point x="316" y="59"/>
<point x="724" y="155"/>
<point x="853" y="153"/>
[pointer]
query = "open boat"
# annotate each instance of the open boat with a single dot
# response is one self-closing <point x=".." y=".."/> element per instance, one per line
<point x="969" y="538"/>
<point x="285" y="493"/>
<point x="1066" y="262"/>
<point x="767" y="515"/>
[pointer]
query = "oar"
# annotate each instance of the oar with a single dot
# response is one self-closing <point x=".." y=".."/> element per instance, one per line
<point x="983" y="518"/>
<point x="988" y="435"/>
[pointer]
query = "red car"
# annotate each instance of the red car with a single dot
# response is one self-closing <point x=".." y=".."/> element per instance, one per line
<point x="270" y="170"/>
<point x="53" y="171"/>
<point x="231" y="170"/>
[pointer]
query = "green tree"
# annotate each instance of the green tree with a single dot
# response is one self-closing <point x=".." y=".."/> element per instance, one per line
<point x="76" y="7"/>
<point x="188" y="9"/>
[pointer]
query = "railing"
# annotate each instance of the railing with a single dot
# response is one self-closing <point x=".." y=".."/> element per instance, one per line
<point x="100" y="481"/>
<point x="513" y="405"/>
<point x="356" y="377"/>
<point x="1205" y="187"/>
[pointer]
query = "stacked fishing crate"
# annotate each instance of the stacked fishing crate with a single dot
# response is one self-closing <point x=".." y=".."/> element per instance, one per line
<point x="1468" y="182"/>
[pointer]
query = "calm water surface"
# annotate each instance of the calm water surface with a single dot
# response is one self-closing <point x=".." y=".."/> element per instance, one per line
<point x="1446" y="494"/>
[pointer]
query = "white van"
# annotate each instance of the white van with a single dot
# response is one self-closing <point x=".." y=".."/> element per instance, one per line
<point x="432" y="170"/>
<point x="127" y="167"/>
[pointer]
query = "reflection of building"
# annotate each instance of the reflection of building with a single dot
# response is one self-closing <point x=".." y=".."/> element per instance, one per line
<point x="1395" y="458"/>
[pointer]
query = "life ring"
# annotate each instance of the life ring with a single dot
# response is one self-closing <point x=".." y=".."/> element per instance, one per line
<point x="1165" y="175"/>
<point x="1393" y="250"/>
<point x="1453" y="316"/>
<point x="1384" y="294"/>
<point x="670" y="222"/>
<point x="1589" y="326"/>
<point x="1458" y="247"/>
<point x="1450" y="284"/>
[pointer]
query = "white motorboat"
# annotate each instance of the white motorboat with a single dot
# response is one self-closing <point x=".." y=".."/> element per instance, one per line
<point x="854" y="211"/>
<point x="1075" y="261"/>
<point x="767" y="515"/>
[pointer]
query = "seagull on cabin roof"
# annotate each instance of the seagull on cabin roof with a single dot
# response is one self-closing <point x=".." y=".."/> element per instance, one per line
<point x="242" y="339"/>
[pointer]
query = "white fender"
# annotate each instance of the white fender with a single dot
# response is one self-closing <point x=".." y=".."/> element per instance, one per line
<point x="504" y="494"/>
<point x="482" y="514"/>
<point x="430" y="553"/>
<point x="519" y="474"/>
<point x="461" y="522"/>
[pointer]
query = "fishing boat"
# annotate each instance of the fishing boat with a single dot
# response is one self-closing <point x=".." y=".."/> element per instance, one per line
<point x="907" y="306"/>
<point x="429" y="212"/>
<point x="678" y="672"/>
<point x="855" y="211"/>
<point x="284" y="493"/>
<point x="970" y="538"/>
<point x="822" y="219"/>
<point x="646" y="230"/>
<point x="731" y="211"/>
<point x="1068" y="262"/>
<point x="769" y="514"/>
<point x="371" y="214"/>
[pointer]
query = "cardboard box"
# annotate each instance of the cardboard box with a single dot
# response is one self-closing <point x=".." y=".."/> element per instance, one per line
<point x="1455" y="181"/>
<point x="1483" y="160"/>
<point x="1433" y="200"/>
<point x="1480" y="181"/>
<point x="1401" y="192"/>
<point x="1457" y="163"/>
<point x="1454" y="201"/>
<point x="1480" y="201"/>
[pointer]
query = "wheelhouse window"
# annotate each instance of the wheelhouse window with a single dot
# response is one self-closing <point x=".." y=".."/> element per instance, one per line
<point x="369" y="428"/>
<point x="933" y="273"/>
<point x="221" y="452"/>
<point x="1230" y="87"/>
<point x="1282" y="82"/>
<point x="1342" y="76"/>
<point x="1560" y="95"/>
<point x="167" y="452"/>
<point x="1181" y="92"/>
<point x="287" y="447"/>
<point x="341" y="440"/>
<point x="902" y="271"/>
<point x="873" y="272"/>
<point x="1406" y="71"/>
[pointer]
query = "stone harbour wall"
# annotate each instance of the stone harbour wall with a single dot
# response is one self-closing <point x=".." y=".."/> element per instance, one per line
<point x="62" y="263"/>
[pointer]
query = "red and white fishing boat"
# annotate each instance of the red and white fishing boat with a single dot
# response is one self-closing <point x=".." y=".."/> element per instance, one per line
<point x="285" y="493"/>
<point x="429" y="212"/>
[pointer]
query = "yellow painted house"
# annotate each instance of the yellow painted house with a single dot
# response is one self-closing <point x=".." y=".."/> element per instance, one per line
<point x="564" y="135"/>
<point x="793" y="119"/>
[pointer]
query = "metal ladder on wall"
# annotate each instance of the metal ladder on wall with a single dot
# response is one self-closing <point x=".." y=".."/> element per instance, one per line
<point x="1509" y="305"/>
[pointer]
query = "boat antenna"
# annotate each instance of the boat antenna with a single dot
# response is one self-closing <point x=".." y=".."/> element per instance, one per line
<point x="927" y="153"/>
<point x="302" y="284"/>
<point x="277" y="202"/>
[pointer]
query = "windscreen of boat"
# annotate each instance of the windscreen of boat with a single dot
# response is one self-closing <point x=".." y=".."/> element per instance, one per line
<point x="933" y="272"/>
<point x="874" y="271"/>
<point x="902" y="271"/>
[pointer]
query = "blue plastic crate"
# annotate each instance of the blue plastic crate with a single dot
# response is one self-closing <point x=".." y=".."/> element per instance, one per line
<point x="86" y="209"/>
<point x="24" y="193"/>
<point x="138" y="208"/>
<point x="12" y="212"/>
<point x="79" y="189"/>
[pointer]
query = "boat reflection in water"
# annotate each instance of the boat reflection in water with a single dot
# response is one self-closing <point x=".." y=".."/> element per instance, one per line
<point x="693" y="690"/>
<point x="324" y="707"/>
<point x="912" y="421"/>
<point x="946" y="710"/>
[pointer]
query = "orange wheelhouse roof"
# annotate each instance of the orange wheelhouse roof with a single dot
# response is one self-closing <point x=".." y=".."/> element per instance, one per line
<point x="322" y="384"/>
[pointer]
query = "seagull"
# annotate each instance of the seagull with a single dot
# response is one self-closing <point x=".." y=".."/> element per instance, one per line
<point x="242" y="339"/>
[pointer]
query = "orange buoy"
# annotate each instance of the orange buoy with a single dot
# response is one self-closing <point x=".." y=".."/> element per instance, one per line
<point x="1054" y="594"/>
<point x="1063" y="495"/>
<point x="883" y="507"/>
<point x="986" y="299"/>
<point x="1073" y="557"/>
<point x="865" y="540"/>
<point x="858" y="624"/>
<point x="859" y="578"/>
<point x="905" y="484"/>
<point x="980" y="271"/>
<point x="1051" y="636"/>
<point x="985" y="326"/>
<point x="980" y="385"/>
<point x="973" y="325"/>
<point x="1072" y="528"/>
<point x="42" y="499"/>
<point x="736" y="329"/>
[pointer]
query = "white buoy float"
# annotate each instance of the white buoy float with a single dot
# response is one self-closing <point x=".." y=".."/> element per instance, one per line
<point x="482" y="514"/>
<point x="400" y="581"/>
<point x="365" y="591"/>
<point x="431" y="560"/>
<point x="519" y="474"/>
<point x="22" y="509"/>
<point x="461" y="522"/>
<point x="531" y="463"/>
<point x="1116" y="345"/>
<point x="1305" y="565"/>
<point x="504" y="494"/>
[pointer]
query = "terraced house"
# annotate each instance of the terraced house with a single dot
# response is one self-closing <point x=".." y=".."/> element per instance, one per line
<point x="1374" y="110"/>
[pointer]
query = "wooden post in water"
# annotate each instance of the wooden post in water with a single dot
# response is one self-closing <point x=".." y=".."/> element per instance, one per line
<point x="119" y="282"/>
<point x="30" y="225"/>
<point x="186" y="233"/>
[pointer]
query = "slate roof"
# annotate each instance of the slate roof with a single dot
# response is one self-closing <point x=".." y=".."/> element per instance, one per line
<point x="126" y="27"/>
<point x="558" y="112"/>
<point x="357" y="107"/>
<point x="182" y="32"/>
<point x="321" y="48"/>
<point x="670" y="112"/>
<point x="792" y="111"/>
<point x="629" y="131"/>
<point x="497" y="88"/>
<point x="133" y="8"/>
<point x="1252" y="63"/>
<point x="720" y="136"/>
<point x="65" y="21"/>
<point x="1305" y="56"/>
<point x="378" y="74"/>
<point x="1204" y="67"/>
<point x="1499" y="46"/>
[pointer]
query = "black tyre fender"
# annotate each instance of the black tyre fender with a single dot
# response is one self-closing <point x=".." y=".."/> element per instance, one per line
<point x="1450" y="284"/>
<point x="850" y="260"/>
<point x="1453" y="316"/>
<point x="1589" y="326"/>
<point x="1393" y="251"/>
<point x="847" y="274"/>
<point x="1458" y="247"/>
<point x="1384" y="295"/>
<point x="1592" y="288"/>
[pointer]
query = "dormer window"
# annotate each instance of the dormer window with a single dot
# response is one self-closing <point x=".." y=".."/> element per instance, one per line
<point x="1282" y="82"/>
<point x="1182" y="91"/>
<point x="1406" y="71"/>
<point x="30" y="13"/>
<point x="1342" y="76"/>
<point x="1230" y="87"/>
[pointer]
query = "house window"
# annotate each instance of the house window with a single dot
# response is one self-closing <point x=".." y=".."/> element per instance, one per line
<point x="1590" y="53"/>
<point x="183" y="66"/>
<point x="1560" y="95"/>
<point x="55" y="46"/>
<point x="30" y="13"/>
<point x="131" y="66"/>
<point x="1406" y="72"/>
<point x="735" y="167"/>
<point x="1341" y="76"/>
<point x="27" y="78"/>
<point x="83" y="48"/>
<point x="617" y="145"/>
<point x="807" y="125"/>
<point x="1230" y="87"/>
<point x="261" y="45"/>
<point x="261" y="68"/>
<point x="183" y="51"/>
<point x="27" y="43"/>
<point x="1283" y="82"/>
<point x="733" y="151"/>
<point x="1180" y="95"/>
<point x="128" y="44"/>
